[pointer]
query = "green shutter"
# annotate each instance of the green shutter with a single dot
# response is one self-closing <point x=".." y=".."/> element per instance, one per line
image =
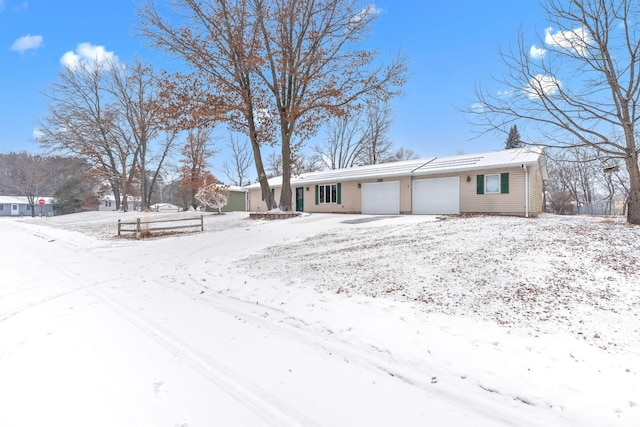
<point x="479" y="184"/>
<point x="504" y="183"/>
<point x="339" y="200"/>
<point x="317" y="195"/>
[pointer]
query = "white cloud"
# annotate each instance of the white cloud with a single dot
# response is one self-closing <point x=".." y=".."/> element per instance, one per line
<point x="26" y="42"/>
<point x="37" y="134"/>
<point x="537" y="52"/>
<point x="478" y="107"/>
<point x="577" y="40"/>
<point x="507" y="92"/>
<point x="539" y="84"/>
<point x="370" y="10"/>
<point x="87" y="54"/>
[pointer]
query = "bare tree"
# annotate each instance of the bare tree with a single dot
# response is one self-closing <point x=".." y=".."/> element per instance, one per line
<point x="194" y="172"/>
<point x="84" y="121"/>
<point x="360" y="138"/>
<point x="218" y="40"/>
<point x="237" y="169"/>
<point x="377" y="145"/>
<point x="573" y="172"/>
<point x="135" y="89"/>
<point x="580" y="86"/>
<point x="345" y="142"/>
<point x="274" y="165"/>
<point x="281" y="66"/>
<point x="26" y="175"/>
<point x="107" y="113"/>
<point x="402" y="154"/>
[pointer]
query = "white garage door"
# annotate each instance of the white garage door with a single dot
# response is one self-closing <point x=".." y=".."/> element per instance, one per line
<point x="436" y="196"/>
<point x="381" y="198"/>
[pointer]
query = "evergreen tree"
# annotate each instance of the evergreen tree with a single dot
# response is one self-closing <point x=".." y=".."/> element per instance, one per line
<point x="513" y="140"/>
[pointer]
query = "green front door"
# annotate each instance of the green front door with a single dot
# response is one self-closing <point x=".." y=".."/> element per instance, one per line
<point x="299" y="199"/>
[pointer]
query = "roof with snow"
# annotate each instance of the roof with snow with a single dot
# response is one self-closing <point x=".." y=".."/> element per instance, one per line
<point x="22" y="200"/>
<point x="428" y="166"/>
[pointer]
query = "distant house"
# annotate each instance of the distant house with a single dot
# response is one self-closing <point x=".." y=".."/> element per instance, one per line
<point x="506" y="182"/>
<point x="108" y="203"/>
<point x="19" y="206"/>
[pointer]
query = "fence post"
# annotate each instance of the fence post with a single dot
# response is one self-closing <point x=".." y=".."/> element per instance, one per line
<point x="119" y="227"/>
<point x="201" y="222"/>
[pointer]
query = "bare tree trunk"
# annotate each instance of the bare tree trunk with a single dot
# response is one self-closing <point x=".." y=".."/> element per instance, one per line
<point x="257" y="160"/>
<point x="633" y="200"/>
<point x="285" y="195"/>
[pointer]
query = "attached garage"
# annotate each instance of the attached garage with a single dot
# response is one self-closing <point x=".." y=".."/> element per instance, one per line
<point x="381" y="198"/>
<point x="436" y="196"/>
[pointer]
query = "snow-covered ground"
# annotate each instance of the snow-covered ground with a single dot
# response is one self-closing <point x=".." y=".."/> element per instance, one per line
<point x="321" y="320"/>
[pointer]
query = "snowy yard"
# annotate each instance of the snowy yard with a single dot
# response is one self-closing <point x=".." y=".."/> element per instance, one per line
<point x="321" y="320"/>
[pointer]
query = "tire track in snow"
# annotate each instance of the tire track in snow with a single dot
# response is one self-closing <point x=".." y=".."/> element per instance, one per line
<point x="262" y="403"/>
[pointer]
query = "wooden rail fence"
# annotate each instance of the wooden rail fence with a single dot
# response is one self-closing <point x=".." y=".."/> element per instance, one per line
<point x="142" y="227"/>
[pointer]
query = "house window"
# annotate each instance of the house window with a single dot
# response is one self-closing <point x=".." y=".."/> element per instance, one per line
<point x="327" y="194"/>
<point x="107" y="203"/>
<point x="1" y="207"/>
<point x="497" y="183"/>
<point x="492" y="184"/>
<point x="28" y="207"/>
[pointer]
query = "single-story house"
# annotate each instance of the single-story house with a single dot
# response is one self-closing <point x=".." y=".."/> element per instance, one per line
<point x="19" y="206"/>
<point x="108" y="203"/>
<point x="506" y="182"/>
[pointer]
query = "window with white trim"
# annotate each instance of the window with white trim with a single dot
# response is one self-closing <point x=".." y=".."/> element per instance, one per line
<point x="328" y="193"/>
<point x="492" y="183"/>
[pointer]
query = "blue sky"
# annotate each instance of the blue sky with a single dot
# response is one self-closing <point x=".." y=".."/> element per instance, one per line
<point x="452" y="46"/>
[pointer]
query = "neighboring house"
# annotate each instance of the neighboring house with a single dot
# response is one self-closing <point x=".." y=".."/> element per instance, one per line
<point x="165" y="207"/>
<point x="108" y="203"/>
<point x="508" y="182"/>
<point x="19" y="206"/>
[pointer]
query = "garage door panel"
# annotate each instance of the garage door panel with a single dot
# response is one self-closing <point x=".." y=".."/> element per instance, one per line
<point x="381" y="198"/>
<point x="436" y="196"/>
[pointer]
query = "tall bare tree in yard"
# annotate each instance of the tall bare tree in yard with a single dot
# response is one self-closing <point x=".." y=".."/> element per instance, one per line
<point x="360" y="138"/>
<point x="83" y="121"/>
<point x="135" y="89"/>
<point x="280" y="67"/>
<point x="573" y="176"/>
<point x="580" y="87"/>
<point x="237" y="169"/>
<point x="193" y="172"/>
<point x="108" y="113"/>
<point x="344" y="144"/>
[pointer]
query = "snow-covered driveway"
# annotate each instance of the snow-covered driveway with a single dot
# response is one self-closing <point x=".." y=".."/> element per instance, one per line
<point x="225" y="328"/>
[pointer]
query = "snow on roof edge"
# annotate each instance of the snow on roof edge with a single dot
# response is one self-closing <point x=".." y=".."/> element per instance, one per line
<point x="465" y="162"/>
